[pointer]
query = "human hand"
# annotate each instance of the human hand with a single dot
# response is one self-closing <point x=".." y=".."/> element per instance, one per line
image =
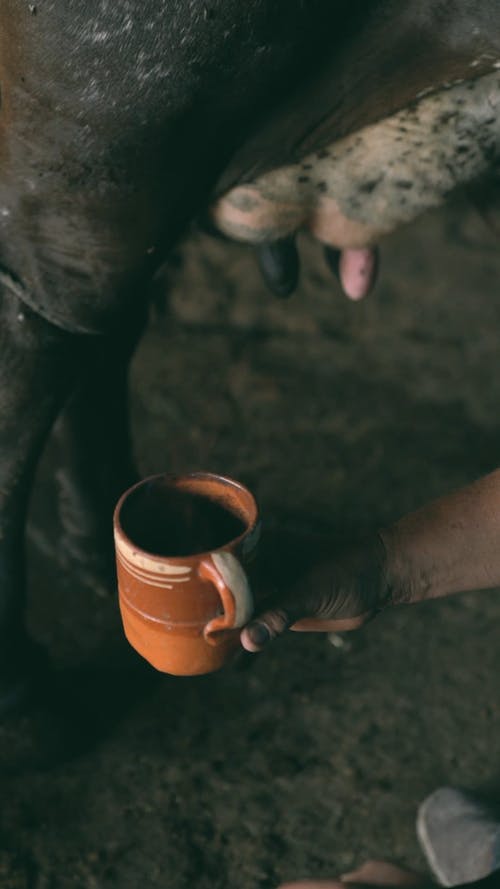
<point x="371" y="874"/>
<point x="316" y="589"/>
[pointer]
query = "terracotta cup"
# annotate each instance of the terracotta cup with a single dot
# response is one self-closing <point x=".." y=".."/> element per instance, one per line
<point x="181" y="543"/>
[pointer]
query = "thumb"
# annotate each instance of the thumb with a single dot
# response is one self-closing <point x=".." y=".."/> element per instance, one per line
<point x="266" y="627"/>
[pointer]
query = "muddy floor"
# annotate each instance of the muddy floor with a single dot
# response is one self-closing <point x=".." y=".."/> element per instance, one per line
<point x="339" y="417"/>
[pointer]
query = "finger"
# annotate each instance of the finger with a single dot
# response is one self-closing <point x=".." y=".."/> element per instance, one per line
<point x="358" y="271"/>
<point x="341" y="625"/>
<point x="380" y="873"/>
<point x="279" y="266"/>
<point x="264" y="628"/>
<point x="313" y="884"/>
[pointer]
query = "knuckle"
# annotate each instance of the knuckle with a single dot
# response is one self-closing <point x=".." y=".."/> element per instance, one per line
<point x="277" y="621"/>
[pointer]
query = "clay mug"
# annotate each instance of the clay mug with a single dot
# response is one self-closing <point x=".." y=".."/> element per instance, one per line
<point x="181" y="545"/>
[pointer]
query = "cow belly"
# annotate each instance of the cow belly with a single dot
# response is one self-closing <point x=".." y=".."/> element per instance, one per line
<point x="360" y="188"/>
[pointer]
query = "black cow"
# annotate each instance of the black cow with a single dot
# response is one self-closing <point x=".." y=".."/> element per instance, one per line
<point x="121" y="122"/>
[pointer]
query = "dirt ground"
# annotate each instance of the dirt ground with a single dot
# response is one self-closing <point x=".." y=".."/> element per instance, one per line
<point x="338" y="416"/>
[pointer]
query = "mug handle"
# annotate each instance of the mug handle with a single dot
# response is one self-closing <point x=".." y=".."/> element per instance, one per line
<point x="226" y="573"/>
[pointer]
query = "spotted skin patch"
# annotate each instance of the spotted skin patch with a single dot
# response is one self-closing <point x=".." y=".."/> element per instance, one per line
<point x="362" y="187"/>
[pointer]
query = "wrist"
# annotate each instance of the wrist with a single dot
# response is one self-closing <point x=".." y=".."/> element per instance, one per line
<point x="403" y="582"/>
<point x="365" y="571"/>
<point x="382" y="589"/>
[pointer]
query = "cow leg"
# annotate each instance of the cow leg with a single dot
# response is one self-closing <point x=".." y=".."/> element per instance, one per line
<point x="39" y="364"/>
<point x="97" y="463"/>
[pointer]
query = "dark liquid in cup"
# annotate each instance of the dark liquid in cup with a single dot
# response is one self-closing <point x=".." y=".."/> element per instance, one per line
<point x="169" y="522"/>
